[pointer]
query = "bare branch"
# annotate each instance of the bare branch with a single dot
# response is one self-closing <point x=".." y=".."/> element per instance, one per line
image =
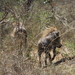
<point x="5" y="15"/>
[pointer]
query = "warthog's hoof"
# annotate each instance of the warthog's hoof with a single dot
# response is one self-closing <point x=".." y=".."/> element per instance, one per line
<point x="45" y="66"/>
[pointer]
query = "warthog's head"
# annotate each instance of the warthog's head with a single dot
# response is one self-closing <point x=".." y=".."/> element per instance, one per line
<point x="57" y="41"/>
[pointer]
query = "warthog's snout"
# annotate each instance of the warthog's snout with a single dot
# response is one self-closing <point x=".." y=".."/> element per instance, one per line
<point x="59" y="46"/>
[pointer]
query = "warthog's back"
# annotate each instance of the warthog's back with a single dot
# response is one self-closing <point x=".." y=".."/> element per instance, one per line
<point x="48" y="30"/>
<point x="21" y="33"/>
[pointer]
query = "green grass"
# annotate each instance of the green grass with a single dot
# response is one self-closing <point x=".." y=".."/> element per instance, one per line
<point x="70" y="44"/>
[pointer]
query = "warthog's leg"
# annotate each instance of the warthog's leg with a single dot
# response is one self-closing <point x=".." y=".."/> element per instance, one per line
<point x="47" y="56"/>
<point x="39" y="53"/>
<point x="20" y="48"/>
<point x="54" y="52"/>
<point x="25" y="42"/>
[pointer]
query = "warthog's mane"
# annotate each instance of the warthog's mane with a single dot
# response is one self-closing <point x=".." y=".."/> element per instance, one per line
<point x="47" y="31"/>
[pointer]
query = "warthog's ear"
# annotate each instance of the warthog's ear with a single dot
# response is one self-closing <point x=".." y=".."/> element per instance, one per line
<point x="57" y="33"/>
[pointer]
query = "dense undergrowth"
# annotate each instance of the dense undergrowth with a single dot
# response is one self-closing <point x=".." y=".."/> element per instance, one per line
<point x="36" y="20"/>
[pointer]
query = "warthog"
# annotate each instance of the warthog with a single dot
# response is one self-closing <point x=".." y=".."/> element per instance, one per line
<point x="49" y="41"/>
<point x="19" y="34"/>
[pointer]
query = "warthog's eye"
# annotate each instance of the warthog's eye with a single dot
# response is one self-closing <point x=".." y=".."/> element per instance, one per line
<point x="57" y="40"/>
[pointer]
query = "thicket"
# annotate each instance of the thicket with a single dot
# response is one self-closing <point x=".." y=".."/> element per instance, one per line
<point x="36" y="17"/>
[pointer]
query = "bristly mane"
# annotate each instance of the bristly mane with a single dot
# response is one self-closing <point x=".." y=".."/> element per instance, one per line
<point x="48" y="30"/>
